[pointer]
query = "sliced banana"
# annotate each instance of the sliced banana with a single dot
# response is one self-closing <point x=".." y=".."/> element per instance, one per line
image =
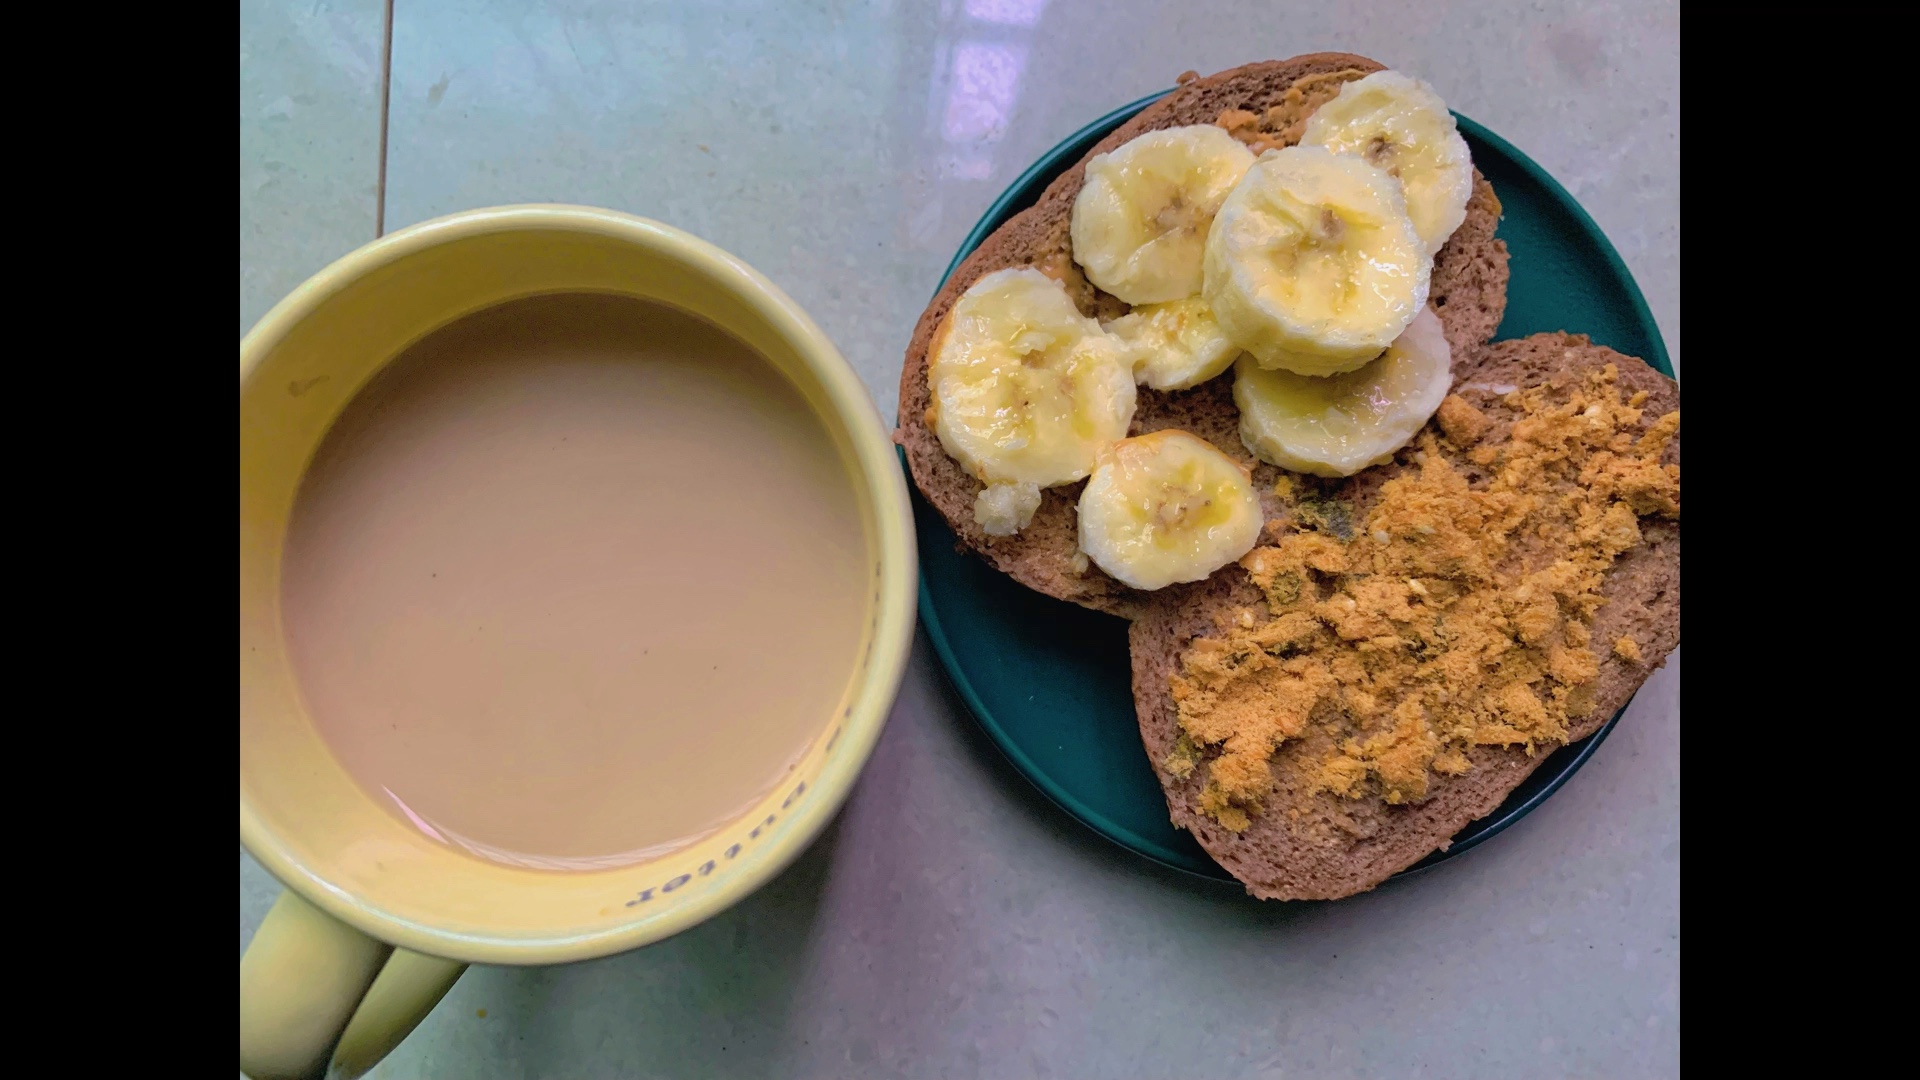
<point x="1313" y="264"/>
<point x="1400" y="124"/>
<point x="1003" y="509"/>
<point x="1167" y="507"/>
<point x="1338" y="425"/>
<point x="1026" y="392"/>
<point x="1139" y="226"/>
<point x="1176" y="344"/>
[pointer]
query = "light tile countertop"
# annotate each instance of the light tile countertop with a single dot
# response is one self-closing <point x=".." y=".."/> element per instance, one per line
<point x="952" y="922"/>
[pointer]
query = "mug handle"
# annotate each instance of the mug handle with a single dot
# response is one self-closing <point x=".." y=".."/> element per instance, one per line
<point x="314" y="988"/>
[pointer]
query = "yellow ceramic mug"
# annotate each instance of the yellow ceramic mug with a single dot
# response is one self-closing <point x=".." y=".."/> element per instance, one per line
<point x="378" y="920"/>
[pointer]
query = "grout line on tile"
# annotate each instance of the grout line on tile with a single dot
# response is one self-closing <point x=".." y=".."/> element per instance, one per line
<point x="386" y="98"/>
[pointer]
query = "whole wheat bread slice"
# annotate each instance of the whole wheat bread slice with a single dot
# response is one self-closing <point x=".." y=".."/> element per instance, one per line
<point x="1321" y="846"/>
<point x="1469" y="293"/>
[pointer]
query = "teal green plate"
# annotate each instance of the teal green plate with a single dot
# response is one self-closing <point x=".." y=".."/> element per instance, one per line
<point x="1049" y="682"/>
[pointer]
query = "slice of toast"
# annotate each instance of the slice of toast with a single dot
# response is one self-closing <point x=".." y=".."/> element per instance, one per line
<point x="1304" y="844"/>
<point x="1273" y="100"/>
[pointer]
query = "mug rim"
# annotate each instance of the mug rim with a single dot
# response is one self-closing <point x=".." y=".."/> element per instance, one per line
<point x="880" y="482"/>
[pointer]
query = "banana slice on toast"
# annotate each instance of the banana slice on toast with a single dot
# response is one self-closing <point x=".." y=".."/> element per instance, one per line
<point x="1312" y="264"/>
<point x="1167" y="507"/>
<point x="1139" y="225"/>
<point x="1176" y="345"/>
<point x="1340" y="424"/>
<point x="1026" y="392"/>
<point x="1399" y="124"/>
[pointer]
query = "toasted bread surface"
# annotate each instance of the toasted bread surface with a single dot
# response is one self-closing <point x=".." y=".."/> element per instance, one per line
<point x="1311" y="844"/>
<point x="1265" y="104"/>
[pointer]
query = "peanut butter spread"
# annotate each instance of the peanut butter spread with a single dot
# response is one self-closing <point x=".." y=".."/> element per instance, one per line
<point x="1281" y="124"/>
<point x="1452" y="615"/>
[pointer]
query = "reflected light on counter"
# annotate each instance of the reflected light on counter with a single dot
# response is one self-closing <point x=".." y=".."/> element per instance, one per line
<point x="1006" y="12"/>
<point x="981" y="90"/>
<point x="980" y="75"/>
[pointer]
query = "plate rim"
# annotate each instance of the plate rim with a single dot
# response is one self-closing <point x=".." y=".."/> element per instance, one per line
<point x="1077" y="145"/>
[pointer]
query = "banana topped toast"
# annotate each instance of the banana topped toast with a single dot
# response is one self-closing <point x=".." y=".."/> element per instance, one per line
<point x="1412" y="641"/>
<point x="1076" y="348"/>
